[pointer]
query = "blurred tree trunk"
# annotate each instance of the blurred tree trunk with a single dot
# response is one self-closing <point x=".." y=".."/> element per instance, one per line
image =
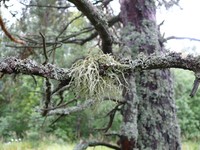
<point x="150" y="114"/>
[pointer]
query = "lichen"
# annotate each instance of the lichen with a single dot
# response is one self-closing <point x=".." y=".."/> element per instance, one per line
<point x="97" y="76"/>
<point x="130" y="130"/>
<point x="140" y="41"/>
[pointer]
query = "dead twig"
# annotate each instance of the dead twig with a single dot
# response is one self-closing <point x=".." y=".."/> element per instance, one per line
<point x="44" y="49"/>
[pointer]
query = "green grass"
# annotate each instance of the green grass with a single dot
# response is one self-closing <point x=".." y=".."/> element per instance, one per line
<point x="42" y="146"/>
<point x="191" y="146"/>
<point x="55" y="146"/>
<point x="31" y="146"/>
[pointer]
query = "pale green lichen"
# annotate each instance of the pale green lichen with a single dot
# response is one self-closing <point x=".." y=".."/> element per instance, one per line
<point x="97" y="76"/>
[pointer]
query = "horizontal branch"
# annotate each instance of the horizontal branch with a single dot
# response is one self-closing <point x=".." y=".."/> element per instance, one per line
<point x="73" y="109"/>
<point x="46" y="6"/>
<point x="12" y="65"/>
<point x="181" y="38"/>
<point x="93" y="144"/>
<point x="83" y="145"/>
<point x="171" y="60"/>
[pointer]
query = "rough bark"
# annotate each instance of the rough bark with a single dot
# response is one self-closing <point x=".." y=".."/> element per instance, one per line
<point x="156" y="122"/>
<point x="12" y="65"/>
<point x="129" y="129"/>
<point x="98" y="20"/>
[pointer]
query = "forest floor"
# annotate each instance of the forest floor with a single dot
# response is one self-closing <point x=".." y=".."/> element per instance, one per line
<point x="55" y="146"/>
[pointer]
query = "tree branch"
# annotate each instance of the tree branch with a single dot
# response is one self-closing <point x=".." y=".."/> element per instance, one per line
<point x="195" y="87"/>
<point x="98" y="21"/>
<point x="67" y="25"/>
<point x="12" y="65"/>
<point x="73" y="109"/>
<point x="82" y="145"/>
<point x="93" y="144"/>
<point x="170" y="60"/>
<point x="44" y="48"/>
<point x="180" y="38"/>
<point x="46" y="6"/>
<point x="106" y="2"/>
<point x="7" y="33"/>
<point x="111" y="115"/>
<point x="111" y="22"/>
<point x="47" y="98"/>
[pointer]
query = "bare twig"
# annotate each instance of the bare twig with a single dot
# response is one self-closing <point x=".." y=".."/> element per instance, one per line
<point x="196" y="84"/>
<point x="159" y="25"/>
<point x="195" y="87"/>
<point x="73" y="109"/>
<point x="47" y="97"/>
<point x="60" y="106"/>
<point x="7" y="33"/>
<point x="75" y="34"/>
<point x="181" y="38"/>
<point x="46" y="6"/>
<point x="44" y="49"/>
<point x="61" y="96"/>
<point x="58" y="118"/>
<point x="61" y="86"/>
<point x="106" y="2"/>
<point x="111" y="114"/>
<point x="66" y="26"/>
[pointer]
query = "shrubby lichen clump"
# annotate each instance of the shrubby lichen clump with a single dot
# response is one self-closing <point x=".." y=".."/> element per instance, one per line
<point x="97" y="76"/>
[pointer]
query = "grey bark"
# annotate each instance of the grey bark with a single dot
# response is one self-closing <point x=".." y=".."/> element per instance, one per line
<point x="98" y="20"/>
<point x="156" y="121"/>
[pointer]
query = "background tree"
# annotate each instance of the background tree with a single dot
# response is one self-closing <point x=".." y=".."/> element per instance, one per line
<point x="147" y="105"/>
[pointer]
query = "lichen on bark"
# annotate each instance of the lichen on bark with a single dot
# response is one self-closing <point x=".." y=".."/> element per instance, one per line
<point x="156" y="121"/>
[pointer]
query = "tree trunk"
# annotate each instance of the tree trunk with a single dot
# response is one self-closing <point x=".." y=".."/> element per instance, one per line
<point x="157" y="125"/>
<point x="129" y="129"/>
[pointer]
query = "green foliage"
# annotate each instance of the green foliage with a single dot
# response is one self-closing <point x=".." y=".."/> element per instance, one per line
<point x="188" y="108"/>
<point x="191" y="145"/>
<point x="16" y="105"/>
